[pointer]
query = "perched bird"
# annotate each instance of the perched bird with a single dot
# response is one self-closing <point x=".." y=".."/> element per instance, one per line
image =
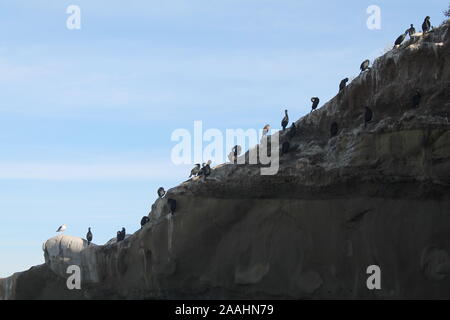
<point x="89" y="236"/>
<point x="343" y="84"/>
<point x="266" y="129"/>
<point x="411" y="31"/>
<point x="121" y="235"/>
<point x="426" y="25"/>
<point x="315" y="102"/>
<point x="206" y="169"/>
<point x="195" y="170"/>
<point x="201" y="172"/>
<point x="285" y="120"/>
<point x="292" y="130"/>
<point x="144" y="221"/>
<point x="172" y="203"/>
<point x="365" y="65"/>
<point x="334" y="129"/>
<point x="285" y="147"/>
<point x="161" y="192"/>
<point x="368" y="115"/>
<point x="400" y="39"/>
<point x="62" y="228"/>
<point x="235" y="152"/>
<point x="416" y="98"/>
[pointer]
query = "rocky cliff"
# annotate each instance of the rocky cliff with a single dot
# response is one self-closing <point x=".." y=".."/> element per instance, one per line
<point x="370" y="195"/>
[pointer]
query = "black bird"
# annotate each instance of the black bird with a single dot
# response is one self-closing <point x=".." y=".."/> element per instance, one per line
<point x="172" y="203"/>
<point x="426" y="25"/>
<point x="206" y="169"/>
<point x="285" y="120"/>
<point x="368" y="116"/>
<point x="400" y="39"/>
<point x="285" y="147"/>
<point x="121" y="235"/>
<point x="334" y="129"/>
<point x="416" y="98"/>
<point x="343" y="84"/>
<point x="365" y="65"/>
<point x="411" y="31"/>
<point x="161" y="192"/>
<point x="144" y="221"/>
<point x="315" y="102"/>
<point x="201" y="172"/>
<point x="292" y="131"/>
<point x="89" y="236"/>
<point x="195" y="170"/>
<point x="235" y="152"/>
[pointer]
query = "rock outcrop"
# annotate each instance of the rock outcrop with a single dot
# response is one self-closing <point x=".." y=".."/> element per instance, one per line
<point x="371" y="195"/>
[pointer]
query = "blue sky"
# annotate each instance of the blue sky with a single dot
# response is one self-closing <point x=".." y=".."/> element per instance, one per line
<point x="86" y="115"/>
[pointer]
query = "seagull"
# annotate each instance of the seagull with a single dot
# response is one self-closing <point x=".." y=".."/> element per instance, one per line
<point x="62" y="228"/>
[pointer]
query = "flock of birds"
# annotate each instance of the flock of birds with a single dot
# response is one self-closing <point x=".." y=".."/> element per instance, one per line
<point x="205" y="170"/>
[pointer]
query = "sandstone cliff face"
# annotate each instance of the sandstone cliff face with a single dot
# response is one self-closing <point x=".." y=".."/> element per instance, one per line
<point x="375" y="195"/>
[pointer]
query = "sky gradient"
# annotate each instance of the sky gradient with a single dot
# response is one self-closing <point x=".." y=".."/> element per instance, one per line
<point x="86" y="115"/>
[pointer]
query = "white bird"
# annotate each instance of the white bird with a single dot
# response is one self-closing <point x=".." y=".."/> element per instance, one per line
<point x="62" y="228"/>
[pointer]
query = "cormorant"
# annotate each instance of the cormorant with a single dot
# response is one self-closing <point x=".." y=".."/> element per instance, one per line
<point x="285" y="120"/>
<point x="235" y="152"/>
<point x="201" y="172"/>
<point x="89" y="236"/>
<point x="144" y="221"/>
<point x="195" y="170"/>
<point x="411" y="31"/>
<point x="172" y="203"/>
<point x="161" y="192"/>
<point x="315" y="102"/>
<point x="334" y="129"/>
<point x="121" y="235"/>
<point x="292" y="130"/>
<point x="365" y="65"/>
<point x="426" y="25"/>
<point x="62" y="228"/>
<point x="368" y="116"/>
<point x="416" y="98"/>
<point x="400" y="39"/>
<point x="343" y="84"/>
<point x="206" y="170"/>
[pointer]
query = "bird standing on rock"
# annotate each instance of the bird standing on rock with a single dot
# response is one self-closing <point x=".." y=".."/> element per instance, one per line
<point x="426" y="25"/>
<point x="400" y="39"/>
<point x="365" y="65"/>
<point x="315" y="102"/>
<point x="89" y="236"/>
<point x="121" y="235"/>
<point x="144" y="221"/>
<point x="195" y="170"/>
<point x="285" y="120"/>
<point x="411" y="31"/>
<point x="343" y="84"/>
<point x="161" y="192"/>
<point x="235" y="152"/>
